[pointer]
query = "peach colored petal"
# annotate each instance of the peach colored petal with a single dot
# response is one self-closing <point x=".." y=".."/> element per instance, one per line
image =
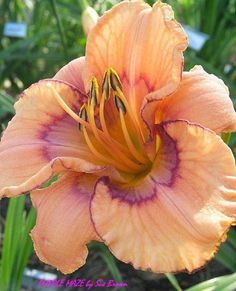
<point x="63" y="226"/>
<point x="176" y="219"/>
<point x="74" y="73"/>
<point x="201" y="98"/>
<point x="144" y="45"/>
<point x="40" y="139"/>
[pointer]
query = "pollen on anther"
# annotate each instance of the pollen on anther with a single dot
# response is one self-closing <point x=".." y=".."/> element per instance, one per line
<point x="83" y="115"/>
<point x="115" y="80"/>
<point x="119" y="104"/>
<point x="94" y="92"/>
<point x="106" y="86"/>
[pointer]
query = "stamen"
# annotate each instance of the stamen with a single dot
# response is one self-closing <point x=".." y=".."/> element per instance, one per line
<point x="112" y="147"/>
<point x="129" y="142"/>
<point x="65" y="107"/>
<point x="93" y="149"/>
<point x="104" y="147"/>
<point x="117" y="87"/>
<point x="133" y="116"/>
<point x="102" y="116"/>
<point x="91" y="113"/>
<point x="158" y="142"/>
<point x="123" y="105"/>
<point x="69" y="111"/>
<point x="94" y="128"/>
<point x="83" y="115"/>
<point x="106" y="91"/>
<point x="119" y="104"/>
<point x="106" y="86"/>
<point x="94" y="92"/>
<point x="114" y="80"/>
<point x="101" y="157"/>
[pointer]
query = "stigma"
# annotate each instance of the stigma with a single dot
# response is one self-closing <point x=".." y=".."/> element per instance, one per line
<point x="110" y="129"/>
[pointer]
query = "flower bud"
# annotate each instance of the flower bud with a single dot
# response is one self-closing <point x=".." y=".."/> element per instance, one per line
<point x="89" y="19"/>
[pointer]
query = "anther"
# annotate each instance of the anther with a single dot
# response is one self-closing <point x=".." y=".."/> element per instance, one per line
<point x="106" y="86"/>
<point x="119" y="104"/>
<point x="93" y="93"/>
<point x="83" y="115"/>
<point x="115" y="80"/>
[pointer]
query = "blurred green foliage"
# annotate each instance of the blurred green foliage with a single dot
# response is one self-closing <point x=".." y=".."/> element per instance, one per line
<point x="49" y="46"/>
<point x="17" y="245"/>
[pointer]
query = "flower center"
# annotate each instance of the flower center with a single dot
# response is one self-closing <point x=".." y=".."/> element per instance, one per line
<point x="110" y="128"/>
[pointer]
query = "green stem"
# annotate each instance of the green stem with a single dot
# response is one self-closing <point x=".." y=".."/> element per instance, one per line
<point x="60" y="27"/>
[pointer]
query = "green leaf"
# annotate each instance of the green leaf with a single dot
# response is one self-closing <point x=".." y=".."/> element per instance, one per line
<point x="110" y="261"/>
<point x="172" y="279"/>
<point x="7" y="102"/>
<point x="11" y="237"/>
<point x="223" y="283"/>
<point x="232" y="238"/>
<point x="226" y="137"/>
<point x="25" y="248"/>
<point x="17" y="244"/>
<point x="227" y="256"/>
<point x="60" y="27"/>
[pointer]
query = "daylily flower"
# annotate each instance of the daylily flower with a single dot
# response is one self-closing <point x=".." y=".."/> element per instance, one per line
<point x="136" y="143"/>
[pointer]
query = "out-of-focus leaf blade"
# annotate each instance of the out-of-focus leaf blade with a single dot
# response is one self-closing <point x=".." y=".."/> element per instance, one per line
<point x="111" y="264"/>
<point x="172" y="279"/>
<point x="227" y="257"/>
<point x="223" y="283"/>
